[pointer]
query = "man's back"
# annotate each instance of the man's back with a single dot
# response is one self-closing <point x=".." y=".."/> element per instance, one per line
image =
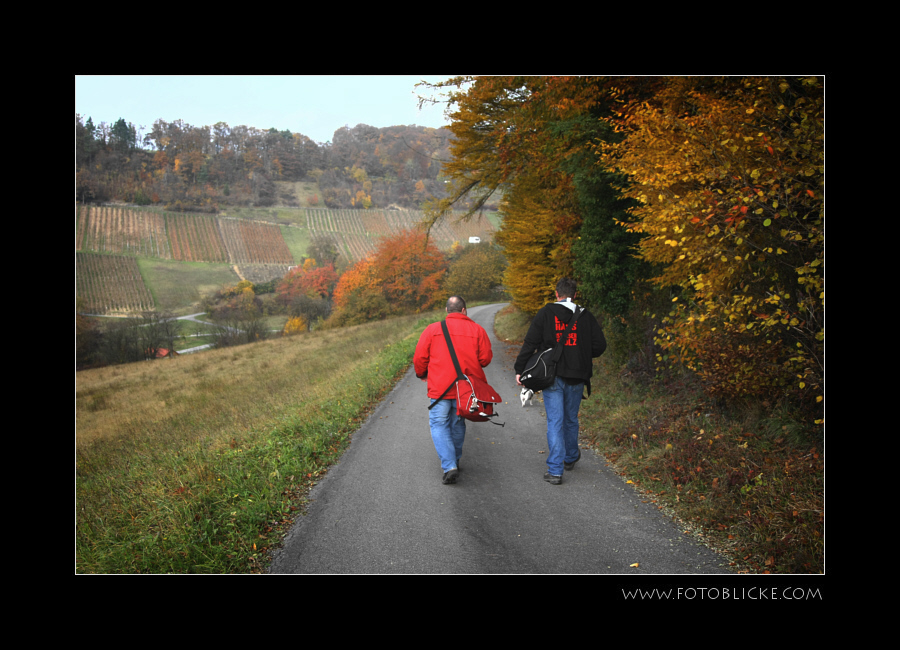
<point x="432" y="357"/>
<point x="584" y="342"/>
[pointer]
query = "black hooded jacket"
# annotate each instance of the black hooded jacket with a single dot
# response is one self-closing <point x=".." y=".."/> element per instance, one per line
<point x="585" y="342"/>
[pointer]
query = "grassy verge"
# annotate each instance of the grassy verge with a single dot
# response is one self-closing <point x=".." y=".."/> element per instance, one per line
<point x="748" y="480"/>
<point x="510" y="324"/>
<point x="198" y="464"/>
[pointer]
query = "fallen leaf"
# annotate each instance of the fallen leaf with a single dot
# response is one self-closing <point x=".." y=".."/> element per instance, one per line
<point x="635" y="565"/>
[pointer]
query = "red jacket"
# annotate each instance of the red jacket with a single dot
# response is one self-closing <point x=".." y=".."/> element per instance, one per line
<point x="432" y="358"/>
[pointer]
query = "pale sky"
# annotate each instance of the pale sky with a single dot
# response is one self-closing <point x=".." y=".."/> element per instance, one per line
<point x="314" y="105"/>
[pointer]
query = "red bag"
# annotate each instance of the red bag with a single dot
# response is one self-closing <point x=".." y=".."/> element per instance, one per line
<point x="475" y="398"/>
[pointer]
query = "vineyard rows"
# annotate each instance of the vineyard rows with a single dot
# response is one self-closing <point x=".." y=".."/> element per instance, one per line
<point x="121" y="230"/>
<point x="357" y="231"/>
<point x="195" y="238"/>
<point x="251" y="242"/>
<point x="202" y="238"/>
<point x="175" y="236"/>
<point x="110" y="283"/>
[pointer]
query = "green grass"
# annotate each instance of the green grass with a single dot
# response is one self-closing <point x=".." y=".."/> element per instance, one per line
<point x="198" y="464"/>
<point x="254" y="214"/>
<point x="192" y="334"/>
<point x="297" y="240"/>
<point x="511" y="324"/>
<point x="179" y="286"/>
<point x="495" y="219"/>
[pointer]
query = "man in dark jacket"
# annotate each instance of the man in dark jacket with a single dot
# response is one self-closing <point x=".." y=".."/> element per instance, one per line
<point x="433" y="364"/>
<point x="563" y="400"/>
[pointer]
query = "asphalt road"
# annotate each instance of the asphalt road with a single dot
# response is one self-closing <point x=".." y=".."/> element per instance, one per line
<point x="383" y="509"/>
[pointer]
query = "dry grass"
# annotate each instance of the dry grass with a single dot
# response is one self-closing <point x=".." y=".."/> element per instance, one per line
<point x="219" y="388"/>
<point x="193" y="464"/>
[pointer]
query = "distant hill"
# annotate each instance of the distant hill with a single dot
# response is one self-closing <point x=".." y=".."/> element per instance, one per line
<point x="186" y="168"/>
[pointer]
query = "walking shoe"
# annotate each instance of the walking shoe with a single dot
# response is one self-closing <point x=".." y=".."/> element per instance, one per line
<point x="450" y="476"/>
<point x="569" y="466"/>
<point x="552" y="478"/>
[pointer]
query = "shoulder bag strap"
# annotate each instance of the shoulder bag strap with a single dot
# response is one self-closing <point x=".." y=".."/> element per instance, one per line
<point x="459" y="372"/>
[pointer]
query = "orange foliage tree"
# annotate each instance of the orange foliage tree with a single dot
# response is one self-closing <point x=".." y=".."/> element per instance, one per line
<point x="307" y="280"/>
<point x="403" y="275"/>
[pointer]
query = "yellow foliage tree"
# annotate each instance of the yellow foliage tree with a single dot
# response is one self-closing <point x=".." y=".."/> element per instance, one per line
<point x="729" y="174"/>
<point x="538" y="226"/>
<point x="294" y="326"/>
<point x="502" y="140"/>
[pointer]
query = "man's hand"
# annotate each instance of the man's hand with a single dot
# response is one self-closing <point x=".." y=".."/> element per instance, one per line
<point x="517" y="380"/>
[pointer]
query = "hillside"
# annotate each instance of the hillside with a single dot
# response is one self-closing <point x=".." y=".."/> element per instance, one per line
<point x="136" y="258"/>
<point x="182" y="167"/>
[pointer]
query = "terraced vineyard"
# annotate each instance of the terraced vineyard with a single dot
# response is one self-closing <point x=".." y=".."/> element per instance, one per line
<point x="196" y="238"/>
<point x="177" y="236"/>
<point x="358" y="231"/>
<point x="110" y="283"/>
<point x="121" y="230"/>
<point x="255" y="249"/>
<point x="251" y="242"/>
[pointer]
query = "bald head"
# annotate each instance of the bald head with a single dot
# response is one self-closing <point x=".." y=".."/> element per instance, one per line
<point x="455" y="304"/>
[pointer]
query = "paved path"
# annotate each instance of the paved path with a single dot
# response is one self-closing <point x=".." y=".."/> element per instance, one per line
<point x="383" y="509"/>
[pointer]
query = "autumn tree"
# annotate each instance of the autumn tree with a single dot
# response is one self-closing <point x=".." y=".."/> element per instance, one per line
<point x="476" y="272"/>
<point x="295" y="325"/>
<point x="532" y="139"/>
<point x="358" y="297"/>
<point x="403" y="275"/>
<point x="729" y="176"/>
<point x="309" y="280"/>
<point x="306" y="291"/>
<point x="324" y="249"/>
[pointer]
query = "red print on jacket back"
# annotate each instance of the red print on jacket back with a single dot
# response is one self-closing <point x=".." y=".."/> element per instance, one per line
<point x="572" y="340"/>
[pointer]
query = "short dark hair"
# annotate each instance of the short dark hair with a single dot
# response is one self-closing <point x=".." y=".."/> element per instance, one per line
<point x="566" y="288"/>
<point x="455" y="304"/>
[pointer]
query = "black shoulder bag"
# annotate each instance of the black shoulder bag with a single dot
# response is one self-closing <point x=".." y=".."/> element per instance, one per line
<point x="542" y="372"/>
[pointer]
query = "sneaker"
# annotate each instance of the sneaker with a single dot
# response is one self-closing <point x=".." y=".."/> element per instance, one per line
<point x="450" y="477"/>
<point x="552" y="478"/>
<point x="569" y="466"/>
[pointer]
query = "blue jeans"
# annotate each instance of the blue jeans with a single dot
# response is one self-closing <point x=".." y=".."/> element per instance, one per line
<point x="448" y="431"/>
<point x="562" y="402"/>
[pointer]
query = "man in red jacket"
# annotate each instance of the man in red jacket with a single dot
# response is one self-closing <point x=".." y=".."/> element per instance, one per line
<point x="433" y="364"/>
